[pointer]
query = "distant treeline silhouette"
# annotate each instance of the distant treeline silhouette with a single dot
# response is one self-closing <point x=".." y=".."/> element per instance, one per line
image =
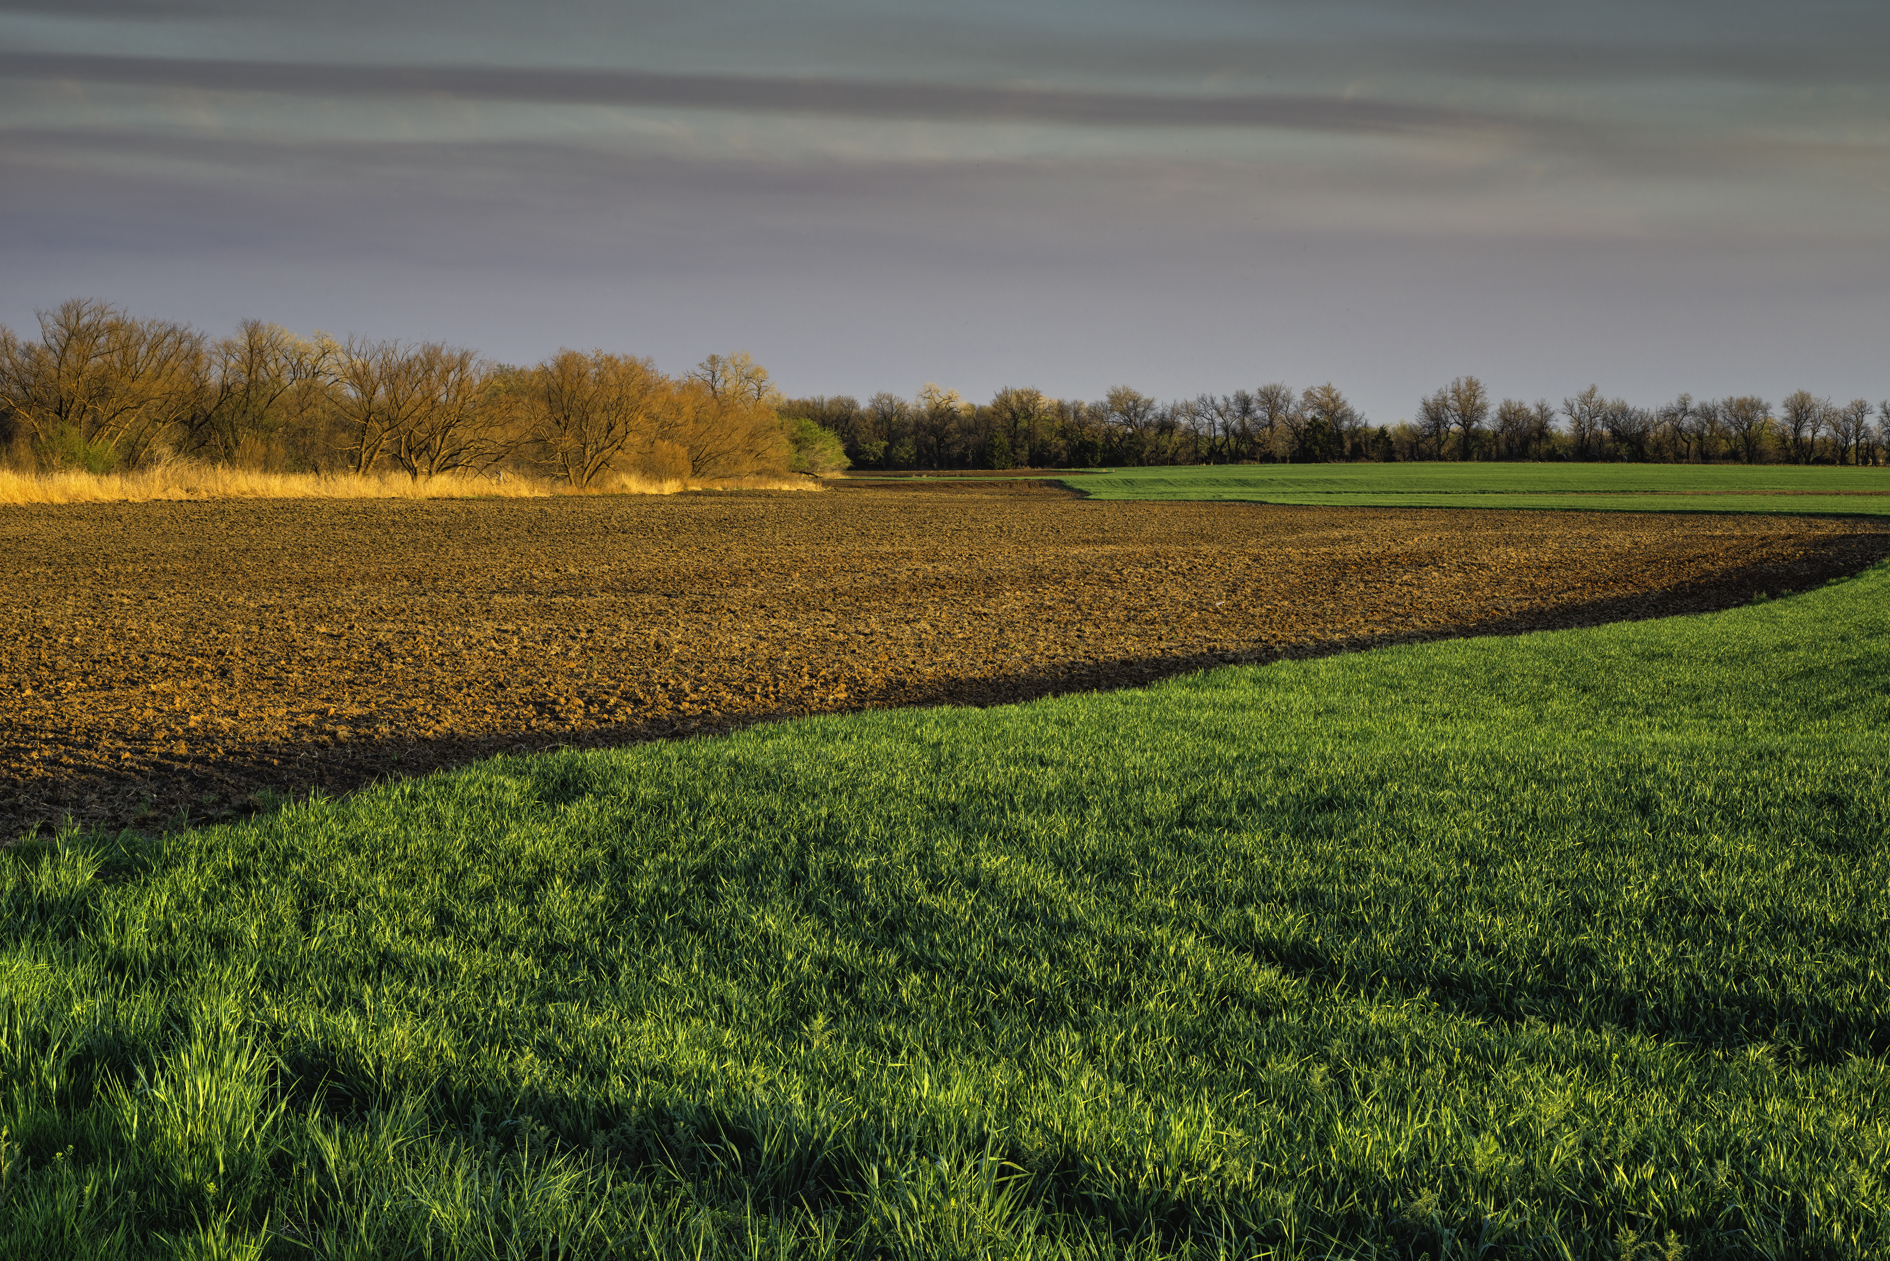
<point x="1274" y="423"/>
<point x="104" y="391"/>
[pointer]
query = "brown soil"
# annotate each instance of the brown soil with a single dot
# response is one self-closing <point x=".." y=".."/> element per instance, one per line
<point x="164" y="661"/>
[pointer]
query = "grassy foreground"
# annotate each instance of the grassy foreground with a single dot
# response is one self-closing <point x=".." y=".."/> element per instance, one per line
<point x="1549" y="946"/>
<point x="1596" y="487"/>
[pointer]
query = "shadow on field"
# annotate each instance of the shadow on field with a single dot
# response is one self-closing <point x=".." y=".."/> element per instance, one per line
<point x="241" y="779"/>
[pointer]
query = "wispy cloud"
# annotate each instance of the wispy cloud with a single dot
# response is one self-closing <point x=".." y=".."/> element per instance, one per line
<point x="802" y="95"/>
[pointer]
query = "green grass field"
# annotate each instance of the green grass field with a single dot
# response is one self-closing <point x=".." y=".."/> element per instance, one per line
<point x="1555" y="946"/>
<point x="1596" y="487"/>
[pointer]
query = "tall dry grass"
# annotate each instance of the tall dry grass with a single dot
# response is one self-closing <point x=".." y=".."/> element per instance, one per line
<point x="185" y="481"/>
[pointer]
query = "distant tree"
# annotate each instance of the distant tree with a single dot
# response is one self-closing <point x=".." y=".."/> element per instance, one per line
<point x="259" y="383"/>
<point x="1877" y="439"/>
<point x="375" y="397"/>
<point x="1747" y="421"/>
<point x="586" y="411"/>
<point x="1435" y="422"/>
<point x="1514" y="419"/>
<point x="936" y="416"/>
<point x="1801" y="418"/>
<point x="1710" y="425"/>
<point x="1677" y="423"/>
<point x="841" y="415"/>
<point x="736" y="378"/>
<point x="816" y="450"/>
<point x="1277" y="415"/>
<point x="101" y="389"/>
<point x="1243" y="428"/>
<point x="723" y="415"/>
<point x="1542" y="430"/>
<point x="1469" y="410"/>
<point x="1019" y="417"/>
<point x="1331" y="425"/>
<point x="1850" y="427"/>
<point x="1587" y="414"/>
<point x="451" y="425"/>
<point x="1132" y="416"/>
<point x="1631" y="428"/>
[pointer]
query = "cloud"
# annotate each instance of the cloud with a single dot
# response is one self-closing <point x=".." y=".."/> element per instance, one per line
<point x="750" y="93"/>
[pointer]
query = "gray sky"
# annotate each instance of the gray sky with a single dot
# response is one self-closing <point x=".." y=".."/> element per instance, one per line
<point x="1181" y="196"/>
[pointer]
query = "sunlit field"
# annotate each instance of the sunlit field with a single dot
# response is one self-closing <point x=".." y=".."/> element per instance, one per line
<point x="1573" y="944"/>
<point x="1608" y="487"/>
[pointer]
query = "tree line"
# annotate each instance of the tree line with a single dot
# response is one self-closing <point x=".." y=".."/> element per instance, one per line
<point x="938" y="429"/>
<point x="105" y="391"/>
<point x="102" y="390"/>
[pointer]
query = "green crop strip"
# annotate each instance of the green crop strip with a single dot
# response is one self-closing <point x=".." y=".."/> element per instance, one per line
<point x="1592" y="487"/>
<point x="1565" y="945"/>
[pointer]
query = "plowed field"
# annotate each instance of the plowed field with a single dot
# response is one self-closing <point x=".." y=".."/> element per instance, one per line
<point x="173" y="661"/>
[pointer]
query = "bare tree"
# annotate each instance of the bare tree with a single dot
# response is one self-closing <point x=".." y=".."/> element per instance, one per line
<point x="100" y="388"/>
<point x="1134" y="415"/>
<point x="1679" y="422"/>
<point x="1018" y="417"/>
<point x="1710" y="424"/>
<point x="1469" y="403"/>
<point x="1877" y="440"/>
<point x="1801" y="418"/>
<point x="262" y="380"/>
<point x="1587" y="414"/>
<point x="736" y="377"/>
<point x="452" y="425"/>
<point x="732" y="433"/>
<point x="1245" y="427"/>
<point x="1850" y="427"/>
<point x="1542" y="429"/>
<point x="890" y="418"/>
<point x="1631" y="427"/>
<point x="1747" y="421"/>
<point x="586" y="411"/>
<point x="1514" y="420"/>
<point x="1276" y="408"/>
<point x="936" y="418"/>
<point x="1331" y="423"/>
<point x="1435" y="421"/>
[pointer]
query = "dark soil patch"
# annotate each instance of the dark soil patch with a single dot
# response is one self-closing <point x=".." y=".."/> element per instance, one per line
<point x="173" y="661"/>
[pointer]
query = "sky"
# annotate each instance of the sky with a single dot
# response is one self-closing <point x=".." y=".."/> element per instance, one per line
<point x="1185" y="196"/>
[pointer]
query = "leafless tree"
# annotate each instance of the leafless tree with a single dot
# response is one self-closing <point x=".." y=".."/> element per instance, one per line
<point x="1469" y="403"/>
<point x="1276" y="409"/>
<point x="262" y="380"/>
<point x="1679" y="421"/>
<point x="1747" y="421"/>
<point x="1631" y="428"/>
<point x="1018" y="417"/>
<point x="586" y="411"/>
<point x="1710" y="424"/>
<point x="1435" y="421"/>
<point x="1850" y="427"/>
<point x="101" y="388"/>
<point x="1514" y="421"/>
<point x="1587" y="414"/>
<point x="733" y="433"/>
<point x="1801" y="418"/>
<point x="453" y="426"/>
<point x="736" y="377"/>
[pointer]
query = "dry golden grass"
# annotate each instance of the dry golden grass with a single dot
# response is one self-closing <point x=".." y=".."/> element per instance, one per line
<point x="211" y="481"/>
